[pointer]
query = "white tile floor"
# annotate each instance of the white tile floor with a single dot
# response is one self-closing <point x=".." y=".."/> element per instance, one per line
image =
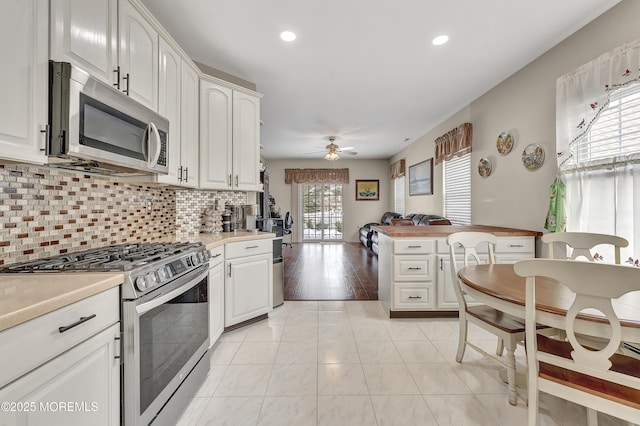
<point x="347" y="363"/>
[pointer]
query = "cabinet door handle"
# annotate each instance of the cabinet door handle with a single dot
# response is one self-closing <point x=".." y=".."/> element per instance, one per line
<point x="119" y="348"/>
<point x="128" y="78"/>
<point x="236" y="180"/>
<point x="47" y="136"/>
<point x="251" y="247"/>
<point x="414" y="268"/>
<point x="229" y="272"/>
<point x="186" y="174"/>
<point x="415" y="297"/>
<point x="230" y="182"/>
<point x="117" y="83"/>
<point x="180" y="174"/>
<point x="75" y="324"/>
<point x="441" y="264"/>
<point x="414" y="246"/>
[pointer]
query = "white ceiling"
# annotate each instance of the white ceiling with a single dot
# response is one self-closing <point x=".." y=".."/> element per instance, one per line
<point x="365" y="70"/>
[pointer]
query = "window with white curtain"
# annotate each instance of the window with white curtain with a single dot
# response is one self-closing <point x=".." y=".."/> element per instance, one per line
<point x="603" y="174"/>
<point x="399" y="195"/>
<point x="457" y="190"/>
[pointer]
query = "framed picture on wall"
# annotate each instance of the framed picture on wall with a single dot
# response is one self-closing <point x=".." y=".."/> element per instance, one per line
<point x="421" y="178"/>
<point x="367" y="190"/>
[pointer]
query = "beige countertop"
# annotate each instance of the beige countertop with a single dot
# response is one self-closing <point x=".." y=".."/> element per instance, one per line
<point x="27" y="296"/>
<point x="445" y="230"/>
<point x="211" y="241"/>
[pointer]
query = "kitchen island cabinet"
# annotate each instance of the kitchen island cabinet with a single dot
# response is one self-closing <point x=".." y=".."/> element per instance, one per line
<point x="414" y="276"/>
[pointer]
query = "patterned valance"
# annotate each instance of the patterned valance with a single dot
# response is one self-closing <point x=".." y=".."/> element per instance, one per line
<point x="316" y="175"/>
<point x="397" y="169"/>
<point x="455" y="143"/>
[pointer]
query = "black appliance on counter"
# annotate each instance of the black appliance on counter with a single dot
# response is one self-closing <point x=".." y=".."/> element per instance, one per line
<point x="164" y="284"/>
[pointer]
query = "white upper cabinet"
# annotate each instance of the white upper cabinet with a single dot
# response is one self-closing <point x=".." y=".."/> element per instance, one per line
<point x="190" y="139"/>
<point x="229" y="138"/>
<point x="170" y="78"/>
<point x="85" y="33"/>
<point x="138" y="56"/>
<point x="246" y="141"/>
<point x="112" y="41"/>
<point x="23" y="80"/>
<point x="215" y="136"/>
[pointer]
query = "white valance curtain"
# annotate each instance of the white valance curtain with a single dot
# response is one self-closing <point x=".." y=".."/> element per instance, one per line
<point x="601" y="196"/>
<point x="583" y="94"/>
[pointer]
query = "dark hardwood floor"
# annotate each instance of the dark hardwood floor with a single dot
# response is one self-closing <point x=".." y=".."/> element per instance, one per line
<point x="330" y="271"/>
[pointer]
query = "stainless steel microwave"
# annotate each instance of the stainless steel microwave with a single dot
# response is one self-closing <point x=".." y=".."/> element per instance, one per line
<point x="95" y="128"/>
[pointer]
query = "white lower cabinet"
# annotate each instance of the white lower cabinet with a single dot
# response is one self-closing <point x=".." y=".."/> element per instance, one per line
<point x="415" y="273"/>
<point x="79" y="387"/>
<point x="216" y="294"/>
<point x="248" y="280"/>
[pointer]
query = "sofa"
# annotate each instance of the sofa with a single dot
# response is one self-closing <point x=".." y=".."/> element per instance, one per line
<point x="366" y="233"/>
<point x="369" y="238"/>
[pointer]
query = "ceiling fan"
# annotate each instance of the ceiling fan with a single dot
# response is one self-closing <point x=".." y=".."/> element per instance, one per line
<point x="333" y="149"/>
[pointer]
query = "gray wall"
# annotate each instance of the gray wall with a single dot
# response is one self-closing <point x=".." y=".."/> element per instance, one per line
<point x="524" y="105"/>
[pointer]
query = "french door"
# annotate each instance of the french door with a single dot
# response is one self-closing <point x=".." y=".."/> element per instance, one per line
<point x="321" y="211"/>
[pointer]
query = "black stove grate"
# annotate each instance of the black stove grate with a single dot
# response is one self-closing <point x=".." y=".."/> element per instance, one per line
<point x="121" y="257"/>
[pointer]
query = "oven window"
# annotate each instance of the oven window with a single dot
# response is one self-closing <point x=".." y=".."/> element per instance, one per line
<point x="169" y="336"/>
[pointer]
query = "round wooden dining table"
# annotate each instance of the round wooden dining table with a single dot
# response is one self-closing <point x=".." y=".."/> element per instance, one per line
<point x="498" y="286"/>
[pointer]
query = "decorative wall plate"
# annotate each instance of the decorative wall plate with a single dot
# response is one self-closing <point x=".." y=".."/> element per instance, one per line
<point x="533" y="156"/>
<point x="504" y="143"/>
<point x="484" y="167"/>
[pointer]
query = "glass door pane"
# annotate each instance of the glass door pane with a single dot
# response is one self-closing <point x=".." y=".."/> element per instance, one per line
<point x="322" y="212"/>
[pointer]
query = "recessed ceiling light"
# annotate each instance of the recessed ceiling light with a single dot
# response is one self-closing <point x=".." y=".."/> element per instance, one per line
<point x="287" y="36"/>
<point x="441" y="39"/>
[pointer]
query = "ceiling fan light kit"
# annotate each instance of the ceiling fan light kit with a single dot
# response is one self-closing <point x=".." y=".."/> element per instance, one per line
<point x="332" y="156"/>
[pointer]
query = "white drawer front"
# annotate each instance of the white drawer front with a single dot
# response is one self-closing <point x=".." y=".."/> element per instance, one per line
<point x="414" y="296"/>
<point x="516" y="245"/>
<point x="413" y="246"/>
<point x="248" y="248"/>
<point x="413" y="268"/>
<point x="39" y="340"/>
<point x="216" y="256"/>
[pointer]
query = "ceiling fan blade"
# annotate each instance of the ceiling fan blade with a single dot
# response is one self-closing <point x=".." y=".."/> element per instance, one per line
<point x="349" y="152"/>
<point x="314" y="153"/>
<point x="347" y="148"/>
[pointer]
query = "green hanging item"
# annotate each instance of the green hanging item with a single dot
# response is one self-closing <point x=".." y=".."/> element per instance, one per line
<point x="556" y="217"/>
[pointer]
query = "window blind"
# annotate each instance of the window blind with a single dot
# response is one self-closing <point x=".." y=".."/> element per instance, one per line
<point x="615" y="134"/>
<point x="457" y="190"/>
<point x="399" y="195"/>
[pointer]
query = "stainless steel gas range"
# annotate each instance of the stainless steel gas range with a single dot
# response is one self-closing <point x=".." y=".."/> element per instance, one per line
<point x="165" y="322"/>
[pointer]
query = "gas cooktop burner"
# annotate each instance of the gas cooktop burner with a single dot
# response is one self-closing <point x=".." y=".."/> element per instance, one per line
<point x="122" y="257"/>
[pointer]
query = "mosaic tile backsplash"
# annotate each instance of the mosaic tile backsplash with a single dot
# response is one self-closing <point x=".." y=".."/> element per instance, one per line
<point x="46" y="212"/>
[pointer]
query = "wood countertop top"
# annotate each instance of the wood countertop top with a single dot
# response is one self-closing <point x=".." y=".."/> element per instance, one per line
<point x="27" y="296"/>
<point x="445" y="230"/>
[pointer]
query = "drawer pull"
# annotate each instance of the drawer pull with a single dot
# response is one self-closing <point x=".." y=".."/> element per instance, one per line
<point x="516" y="245"/>
<point x="415" y="297"/>
<point x="414" y="246"/>
<point x="414" y="268"/>
<point x="80" y="321"/>
<point x="251" y="247"/>
<point x="216" y="255"/>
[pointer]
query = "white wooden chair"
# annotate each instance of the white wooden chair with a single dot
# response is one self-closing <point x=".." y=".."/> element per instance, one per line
<point x="508" y="329"/>
<point x="601" y="380"/>
<point x="582" y="243"/>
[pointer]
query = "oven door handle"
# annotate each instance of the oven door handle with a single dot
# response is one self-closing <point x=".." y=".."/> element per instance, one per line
<point x="186" y="282"/>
